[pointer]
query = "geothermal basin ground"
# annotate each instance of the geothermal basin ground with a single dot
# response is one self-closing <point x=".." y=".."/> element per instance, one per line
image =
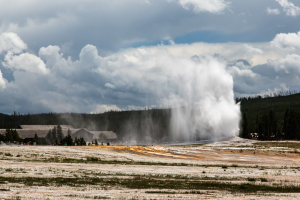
<point x="234" y="169"/>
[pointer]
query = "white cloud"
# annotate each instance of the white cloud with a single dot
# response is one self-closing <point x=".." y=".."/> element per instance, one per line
<point x="171" y="42"/>
<point x="251" y="49"/>
<point x="212" y="6"/>
<point x="105" y="108"/>
<point x="144" y="76"/>
<point x="289" y="8"/>
<point x="111" y="86"/>
<point x="271" y="11"/>
<point x="11" y="42"/>
<point x="273" y="76"/>
<point x="25" y="61"/>
<point x="289" y="64"/>
<point x="286" y="41"/>
<point x="2" y="82"/>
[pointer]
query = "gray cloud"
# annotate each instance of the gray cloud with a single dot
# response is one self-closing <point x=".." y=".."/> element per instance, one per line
<point x="213" y="6"/>
<point x="137" y="77"/>
<point x="275" y="75"/>
<point x="289" y="8"/>
<point x="271" y="11"/>
<point x="113" y="25"/>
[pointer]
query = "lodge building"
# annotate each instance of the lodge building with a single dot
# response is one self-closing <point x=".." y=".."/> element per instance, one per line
<point x="27" y="132"/>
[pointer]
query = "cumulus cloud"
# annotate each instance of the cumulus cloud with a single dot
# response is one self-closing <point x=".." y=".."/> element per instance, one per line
<point x="11" y="42"/>
<point x="251" y="49"/>
<point x="132" y="23"/>
<point x="286" y="40"/>
<point x="271" y="11"/>
<point x="25" y="61"/>
<point x="212" y="6"/>
<point x="289" y="64"/>
<point x="289" y="8"/>
<point x="2" y="82"/>
<point x="273" y="76"/>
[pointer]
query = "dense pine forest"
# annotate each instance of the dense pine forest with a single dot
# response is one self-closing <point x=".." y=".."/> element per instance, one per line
<point x="269" y="117"/>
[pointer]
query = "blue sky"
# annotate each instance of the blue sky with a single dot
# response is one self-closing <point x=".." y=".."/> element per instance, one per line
<point x="89" y="56"/>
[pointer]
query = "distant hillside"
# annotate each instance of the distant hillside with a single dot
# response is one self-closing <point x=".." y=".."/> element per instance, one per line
<point x="3" y="115"/>
<point x="256" y="107"/>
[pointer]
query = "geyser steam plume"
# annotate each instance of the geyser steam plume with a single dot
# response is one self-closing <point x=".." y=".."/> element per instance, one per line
<point x="199" y="89"/>
<point x="209" y="110"/>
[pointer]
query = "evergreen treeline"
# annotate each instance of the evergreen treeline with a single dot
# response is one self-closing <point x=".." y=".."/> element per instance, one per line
<point x="55" y="136"/>
<point x="272" y="117"/>
<point x="11" y="136"/>
<point x="136" y="124"/>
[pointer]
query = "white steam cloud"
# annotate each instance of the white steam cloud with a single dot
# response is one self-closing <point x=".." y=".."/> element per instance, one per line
<point x="211" y="112"/>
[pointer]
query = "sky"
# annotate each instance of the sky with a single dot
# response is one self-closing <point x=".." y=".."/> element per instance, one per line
<point x="93" y="56"/>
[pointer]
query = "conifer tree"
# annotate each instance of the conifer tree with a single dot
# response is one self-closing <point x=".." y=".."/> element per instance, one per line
<point x="69" y="140"/>
<point x="49" y="137"/>
<point x="8" y="136"/>
<point x="54" y="133"/>
<point x="59" y="133"/>
<point x="36" y="139"/>
<point x="82" y="142"/>
<point x="245" y="130"/>
<point x="15" y="135"/>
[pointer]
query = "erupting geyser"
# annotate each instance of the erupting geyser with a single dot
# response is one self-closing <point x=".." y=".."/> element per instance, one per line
<point x="199" y="89"/>
<point x="208" y="109"/>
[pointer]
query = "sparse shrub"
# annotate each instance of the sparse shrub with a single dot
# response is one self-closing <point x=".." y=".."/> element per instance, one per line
<point x="263" y="180"/>
<point x="251" y="179"/>
<point x="8" y="154"/>
<point x="101" y="197"/>
<point x="92" y="159"/>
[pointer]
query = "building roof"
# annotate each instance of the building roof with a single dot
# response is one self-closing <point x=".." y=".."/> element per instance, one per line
<point x="43" y="127"/>
<point x="28" y="131"/>
<point x="108" y="134"/>
<point x="84" y="133"/>
<point x="24" y="133"/>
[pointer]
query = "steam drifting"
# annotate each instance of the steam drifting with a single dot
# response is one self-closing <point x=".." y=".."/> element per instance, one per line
<point x="210" y="111"/>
